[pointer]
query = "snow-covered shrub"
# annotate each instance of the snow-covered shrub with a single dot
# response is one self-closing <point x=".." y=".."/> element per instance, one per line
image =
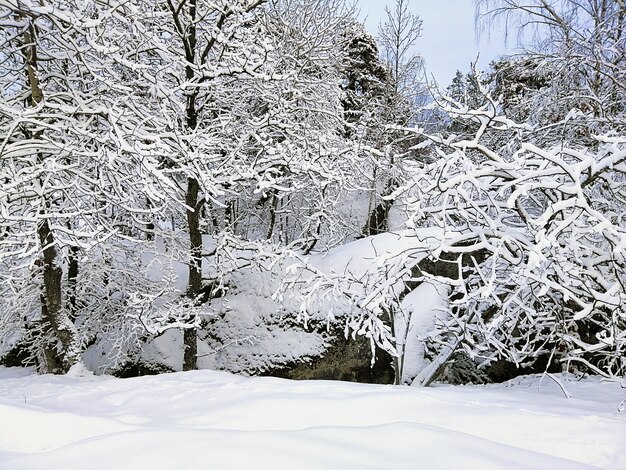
<point x="538" y="236"/>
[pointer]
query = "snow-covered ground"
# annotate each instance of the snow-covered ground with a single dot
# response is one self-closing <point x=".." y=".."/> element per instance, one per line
<point x="214" y="420"/>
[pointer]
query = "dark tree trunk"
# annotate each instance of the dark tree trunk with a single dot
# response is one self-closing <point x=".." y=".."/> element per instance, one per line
<point x="378" y="220"/>
<point x="149" y="225"/>
<point x="52" y="362"/>
<point x="187" y="18"/>
<point x="194" y="285"/>
<point x="72" y="277"/>
<point x="272" y="214"/>
<point x="57" y="359"/>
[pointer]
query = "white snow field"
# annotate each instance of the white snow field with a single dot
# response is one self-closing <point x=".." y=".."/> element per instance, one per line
<point x="215" y="420"/>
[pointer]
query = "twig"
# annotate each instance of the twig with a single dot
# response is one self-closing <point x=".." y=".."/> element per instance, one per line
<point x="558" y="382"/>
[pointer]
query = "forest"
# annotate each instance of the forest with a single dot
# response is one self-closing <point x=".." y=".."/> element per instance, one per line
<point x="264" y="187"/>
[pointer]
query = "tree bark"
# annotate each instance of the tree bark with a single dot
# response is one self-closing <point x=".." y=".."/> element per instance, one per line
<point x="72" y="277"/>
<point x="58" y="360"/>
<point x="194" y="285"/>
<point x="57" y="357"/>
<point x="150" y="225"/>
<point x="272" y="215"/>
<point x="378" y="220"/>
<point x="187" y="19"/>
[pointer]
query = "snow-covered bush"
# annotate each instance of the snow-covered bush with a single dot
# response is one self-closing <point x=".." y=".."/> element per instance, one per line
<point x="539" y="242"/>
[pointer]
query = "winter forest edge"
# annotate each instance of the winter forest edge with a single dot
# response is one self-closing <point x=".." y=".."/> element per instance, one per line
<point x="265" y="188"/>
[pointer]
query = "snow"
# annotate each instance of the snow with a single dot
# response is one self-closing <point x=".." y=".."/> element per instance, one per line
<point x="419" y="311"/>
<point x="208" y="419"/>
<point x="360" y="258"/>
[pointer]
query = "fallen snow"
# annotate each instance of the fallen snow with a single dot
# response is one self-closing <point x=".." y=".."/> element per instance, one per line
<point x="208" y="419"/>
<point x="417" y="316"/>
<point x="364" y="257"/>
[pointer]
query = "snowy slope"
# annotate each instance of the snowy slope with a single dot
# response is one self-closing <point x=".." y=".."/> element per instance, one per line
<point x="213" y="420"/>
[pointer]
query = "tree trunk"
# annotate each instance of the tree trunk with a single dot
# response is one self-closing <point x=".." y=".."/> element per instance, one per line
<point x="72" y="276"/>
<point x="194" y="285"/>
<point x="61" y="358"/>
<point x="57" y="357"/>
<point x="150" y="225"/>
<point x="49" y="360"/>
<point x="378" y="220"/>
<point x="272" y="215"/>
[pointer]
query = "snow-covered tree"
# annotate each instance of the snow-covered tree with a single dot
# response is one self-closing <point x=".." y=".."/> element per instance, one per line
<point x="366" y="82"/>
<point x="368" y="288"/>
<point x="569" y="81"/>
<point x="403" y="94"/>
<point x="225" y="117"/>
<point x="524" y="220"/>
<point x="248" y="95"/>
<point x="397" y="36"/>
<point x="465" y="91"/>
<point x="312" y="162"/>
<point x="75" y="166"/>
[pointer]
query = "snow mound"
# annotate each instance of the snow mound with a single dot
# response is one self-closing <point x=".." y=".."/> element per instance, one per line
<point x="79" y="370"/>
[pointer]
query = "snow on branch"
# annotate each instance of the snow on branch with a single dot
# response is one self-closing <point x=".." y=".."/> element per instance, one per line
<point x="542" y="237"/>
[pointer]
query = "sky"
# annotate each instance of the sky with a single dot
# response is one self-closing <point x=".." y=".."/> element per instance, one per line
<point x="448" y="41"/>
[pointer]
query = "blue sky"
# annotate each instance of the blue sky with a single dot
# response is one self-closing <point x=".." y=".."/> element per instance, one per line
<point x="448" y="41"/>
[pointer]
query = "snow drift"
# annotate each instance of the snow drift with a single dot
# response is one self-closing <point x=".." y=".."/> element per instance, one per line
<point x="207" y="419"/>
